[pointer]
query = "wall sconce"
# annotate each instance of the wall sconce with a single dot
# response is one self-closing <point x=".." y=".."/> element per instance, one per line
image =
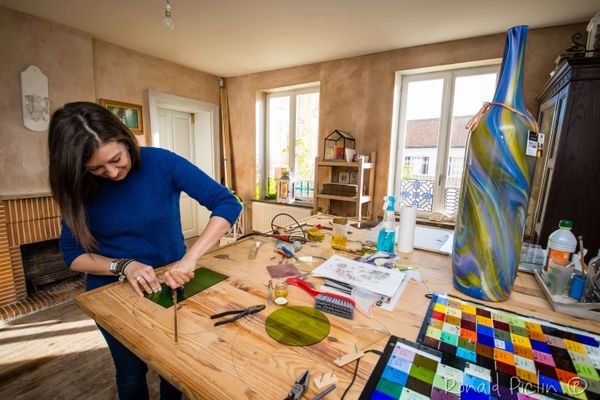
<point x="35" y="100"/>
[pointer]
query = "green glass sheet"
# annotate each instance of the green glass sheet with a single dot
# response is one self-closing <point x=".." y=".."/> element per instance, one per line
<point x="297" y="325"/>
<point x="203" y="279"/>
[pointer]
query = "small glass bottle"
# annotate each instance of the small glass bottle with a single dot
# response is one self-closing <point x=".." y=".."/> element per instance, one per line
<point x="339" y="236"/>
<point x="280" y="293"/>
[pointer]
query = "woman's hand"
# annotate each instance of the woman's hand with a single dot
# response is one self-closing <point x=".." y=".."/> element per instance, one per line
<point x="142" y="277"/>
<point x="180" y="273"/>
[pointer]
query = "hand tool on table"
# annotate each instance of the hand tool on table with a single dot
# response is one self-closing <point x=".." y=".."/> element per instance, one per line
<point x="325" y="392"/>
<point x="300" y="386"/>
<point x="270" y="293"/>
<point x="175" y="293"/>
<point x="319" y="226"/>
<point x="289" y="250"/>
<point x="288" y="238"/>
<point x="282" y="254"/>
<point x="175" y="335"/>
<point x="240" y="314"/>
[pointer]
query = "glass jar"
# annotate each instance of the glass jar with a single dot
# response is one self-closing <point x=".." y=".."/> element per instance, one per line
<point x="339" y="235"/>
<point x="280" y="293"/>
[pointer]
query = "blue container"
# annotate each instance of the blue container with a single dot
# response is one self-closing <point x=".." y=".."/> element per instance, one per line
<point x="577" y="286"/>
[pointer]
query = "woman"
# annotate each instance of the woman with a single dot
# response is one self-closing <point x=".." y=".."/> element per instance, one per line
<point x="120" y="210"/>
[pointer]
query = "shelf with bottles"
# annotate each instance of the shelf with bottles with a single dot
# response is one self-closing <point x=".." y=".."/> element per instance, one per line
<point x="335" y="178"/>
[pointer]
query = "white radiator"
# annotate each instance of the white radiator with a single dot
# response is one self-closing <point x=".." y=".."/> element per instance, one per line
<point x="263" y="213"/>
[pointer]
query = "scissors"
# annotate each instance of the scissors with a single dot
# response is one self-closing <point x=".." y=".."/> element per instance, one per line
<point x="240" y="314"/>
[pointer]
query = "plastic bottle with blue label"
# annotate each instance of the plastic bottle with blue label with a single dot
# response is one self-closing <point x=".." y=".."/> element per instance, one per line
<point x="387" y="234"/>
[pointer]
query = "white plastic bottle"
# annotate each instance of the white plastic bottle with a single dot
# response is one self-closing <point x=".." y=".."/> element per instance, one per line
<point x="561" y="245"/>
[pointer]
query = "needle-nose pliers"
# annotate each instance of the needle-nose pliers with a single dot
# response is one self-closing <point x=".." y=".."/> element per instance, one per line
<point x="240" y="314"/>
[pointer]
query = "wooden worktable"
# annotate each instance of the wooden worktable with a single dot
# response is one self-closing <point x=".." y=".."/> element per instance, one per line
<point x="239" y="360"/>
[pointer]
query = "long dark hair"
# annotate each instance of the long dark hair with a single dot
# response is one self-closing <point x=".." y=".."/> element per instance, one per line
<point x="76" y="131"/>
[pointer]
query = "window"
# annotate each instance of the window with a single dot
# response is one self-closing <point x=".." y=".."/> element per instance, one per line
<point x="291" y="139"/>
<point x="425" y="166"/>
<point x="433" y="111"/>
<point x="455" y="167"/>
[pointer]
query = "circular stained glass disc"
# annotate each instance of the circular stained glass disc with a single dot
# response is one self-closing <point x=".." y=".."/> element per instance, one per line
<point x="297" y="326"/>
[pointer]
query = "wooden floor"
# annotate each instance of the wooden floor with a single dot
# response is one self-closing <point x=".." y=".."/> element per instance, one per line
<point x="57" y="353"/>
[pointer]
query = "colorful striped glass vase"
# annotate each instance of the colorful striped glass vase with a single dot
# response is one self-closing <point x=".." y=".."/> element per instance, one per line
<point x="496" y="184"/>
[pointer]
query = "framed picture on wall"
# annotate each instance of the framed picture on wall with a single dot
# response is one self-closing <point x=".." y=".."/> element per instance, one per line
<point x="129" y="114"/>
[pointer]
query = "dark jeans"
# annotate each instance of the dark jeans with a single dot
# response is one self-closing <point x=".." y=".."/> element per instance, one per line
<point x="131" y="373"/>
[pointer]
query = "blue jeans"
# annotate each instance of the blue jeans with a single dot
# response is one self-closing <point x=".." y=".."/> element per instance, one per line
<point x="131" y="373"/>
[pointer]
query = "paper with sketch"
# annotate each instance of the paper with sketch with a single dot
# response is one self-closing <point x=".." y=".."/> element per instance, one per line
<point x="391" y="304"/>
<point x="376" y="279"/>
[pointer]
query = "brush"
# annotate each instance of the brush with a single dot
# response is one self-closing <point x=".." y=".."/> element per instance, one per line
<point x="327" y="302"/>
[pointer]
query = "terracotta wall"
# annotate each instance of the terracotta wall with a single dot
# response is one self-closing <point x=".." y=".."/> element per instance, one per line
<point x="357" y="93"/>
<point x="125" y="75"/>
<point x="78" y="67"/>
<point x="65" y="56"/>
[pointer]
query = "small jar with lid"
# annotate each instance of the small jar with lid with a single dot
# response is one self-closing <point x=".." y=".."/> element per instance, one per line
<point x="339" y="235"/>
<point x="280" y="293"/>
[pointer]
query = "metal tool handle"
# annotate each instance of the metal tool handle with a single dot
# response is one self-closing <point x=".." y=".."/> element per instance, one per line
<point x="232" y="319"/>
<point x="224" y="313"/>
<point x="325" y="392"/>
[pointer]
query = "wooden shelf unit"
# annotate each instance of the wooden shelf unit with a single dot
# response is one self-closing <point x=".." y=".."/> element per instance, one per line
<point x="364" y="181"/>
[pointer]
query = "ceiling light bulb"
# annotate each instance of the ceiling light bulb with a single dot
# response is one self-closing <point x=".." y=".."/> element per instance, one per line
<point x="167" y="21"/>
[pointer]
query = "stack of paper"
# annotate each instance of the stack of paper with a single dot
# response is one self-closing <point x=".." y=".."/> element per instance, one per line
<point x="376" y="279"/>
<point x="365" y="283"/>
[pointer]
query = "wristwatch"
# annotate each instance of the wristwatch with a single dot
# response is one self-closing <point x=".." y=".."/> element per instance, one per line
<point x="113" y="267"/>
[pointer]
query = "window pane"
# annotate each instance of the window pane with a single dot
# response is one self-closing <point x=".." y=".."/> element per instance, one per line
<point x="422" y="131"/>
<point x="307" y="133"/>
<point x="469" y="94"/>
<point x="279" y="136"/>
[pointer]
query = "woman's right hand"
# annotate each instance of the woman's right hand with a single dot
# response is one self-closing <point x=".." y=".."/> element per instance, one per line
<point x="142" y="277"/>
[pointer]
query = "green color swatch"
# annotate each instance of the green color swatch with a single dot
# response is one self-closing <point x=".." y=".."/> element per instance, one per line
<point x="203" y="279"/>
<point x="297" y="326"/>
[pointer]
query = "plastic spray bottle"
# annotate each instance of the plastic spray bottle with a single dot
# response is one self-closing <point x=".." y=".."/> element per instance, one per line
<point x="387" y="235"/>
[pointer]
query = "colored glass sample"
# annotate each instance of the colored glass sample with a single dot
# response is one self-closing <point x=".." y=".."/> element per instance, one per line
<point x="297" y="326"/>
<point x="203" y="279"/>
<point x="550" y="357"/>
<point x="495" y="193"/>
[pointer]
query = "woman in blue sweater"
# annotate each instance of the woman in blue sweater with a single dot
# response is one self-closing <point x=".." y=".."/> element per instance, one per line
<point x="120" y="215"/>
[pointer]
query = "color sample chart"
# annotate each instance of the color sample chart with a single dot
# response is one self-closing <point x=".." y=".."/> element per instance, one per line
<point x="409" y="374"/>
<point x="408" y="371"/>
<point x="519" y="351"/>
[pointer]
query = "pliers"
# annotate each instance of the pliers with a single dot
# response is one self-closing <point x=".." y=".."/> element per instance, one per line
<point x="299" y="387"/>
<point x="240" y="314"/>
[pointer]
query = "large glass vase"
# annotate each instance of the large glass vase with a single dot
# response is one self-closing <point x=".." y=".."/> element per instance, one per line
<point x="496" y="185"/>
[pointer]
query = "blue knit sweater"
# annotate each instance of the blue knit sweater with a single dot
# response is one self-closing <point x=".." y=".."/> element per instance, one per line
<point x="139" y="217"/>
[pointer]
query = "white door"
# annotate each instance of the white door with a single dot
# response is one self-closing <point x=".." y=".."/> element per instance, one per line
<point x="178" y="129"/>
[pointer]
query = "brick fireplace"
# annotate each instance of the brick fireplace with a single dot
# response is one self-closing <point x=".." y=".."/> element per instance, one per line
<point x="23" y="220"/>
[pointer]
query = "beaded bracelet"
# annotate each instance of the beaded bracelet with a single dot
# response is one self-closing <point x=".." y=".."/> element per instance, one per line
<point x="121" y="265"/>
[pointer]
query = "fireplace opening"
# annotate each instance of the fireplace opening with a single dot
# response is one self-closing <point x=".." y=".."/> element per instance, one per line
<point x="44" y="267"/>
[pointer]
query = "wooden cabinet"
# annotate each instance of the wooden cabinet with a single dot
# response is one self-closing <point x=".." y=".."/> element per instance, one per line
<point x="567" y="179"/>
<point x="331" y="200"/>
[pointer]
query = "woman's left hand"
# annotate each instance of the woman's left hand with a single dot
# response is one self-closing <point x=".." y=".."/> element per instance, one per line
<point x="180" y="273"/>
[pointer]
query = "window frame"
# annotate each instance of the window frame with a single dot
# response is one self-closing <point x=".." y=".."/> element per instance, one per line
<point x="292" y="93"/>
<point x="449" y="75"/>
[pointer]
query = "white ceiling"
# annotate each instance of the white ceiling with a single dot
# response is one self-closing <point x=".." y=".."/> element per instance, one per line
<point x="237" y="37"/>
